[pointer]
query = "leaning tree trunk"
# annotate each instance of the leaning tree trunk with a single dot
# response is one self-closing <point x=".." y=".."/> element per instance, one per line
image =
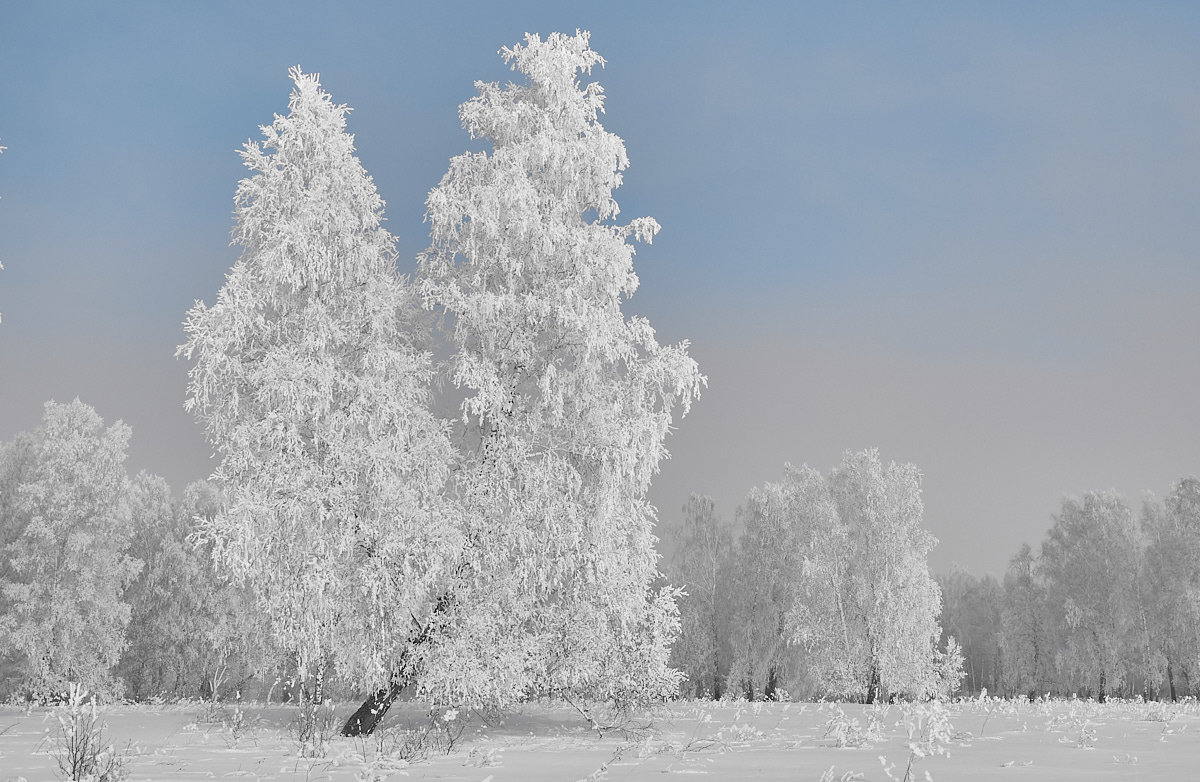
<point x="364" y="721"/>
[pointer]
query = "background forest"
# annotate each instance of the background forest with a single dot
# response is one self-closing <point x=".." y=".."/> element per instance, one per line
<point x="1106" y="605"/>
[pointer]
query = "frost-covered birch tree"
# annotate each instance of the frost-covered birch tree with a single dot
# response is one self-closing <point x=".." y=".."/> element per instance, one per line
<point x="1171" y="579"/>
<point x="873" y="631"/>
<point x="63" y="567"/>
<point x="231" y="639"/>
<point x="823" y="620"/>
<point x="702" y="565"/>
<point x="194" y="631"/>
<point x="567" y="401"/>
<point x="1090" y="559"/>
<point x="776" y="525"/>
<point x="313" y="388"/>
<point x="158" y="637"/>
<point x="1026" y="645"/>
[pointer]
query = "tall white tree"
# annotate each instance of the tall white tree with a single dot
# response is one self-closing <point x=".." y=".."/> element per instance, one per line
<point x="313" y="389"/>
<point x="156" y="634"/>
<point x="567" y="401"/>
<point x="824" y="619"/>
<point x="702" y="564"/>
<point x="64" y="567"/>
<point x="1025" y="627"/>
<point x="777" y="524"/>
<point x="1171" y="580"/>
<point x="1090" y="560"/>
<point x="869" y="612"/>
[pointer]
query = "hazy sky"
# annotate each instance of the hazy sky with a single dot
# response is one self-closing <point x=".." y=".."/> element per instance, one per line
<point x="966" y="234"/>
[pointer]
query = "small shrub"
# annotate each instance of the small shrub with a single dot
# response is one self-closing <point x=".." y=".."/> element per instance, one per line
<point x="1159" y="712"/>
<point x="236" y="726"/>
<point x="1081" y="733"/>
<point x="483" y="757"/>
<point x="314" y="727"/>
<point x="739" y="734"/>
<point x="80" y="750"/>
<point x="848" y="732"/>
<point x="929" y="733"/>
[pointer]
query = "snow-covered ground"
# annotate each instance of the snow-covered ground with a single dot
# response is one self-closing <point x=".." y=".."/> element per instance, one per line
<point x="985" y="740"/>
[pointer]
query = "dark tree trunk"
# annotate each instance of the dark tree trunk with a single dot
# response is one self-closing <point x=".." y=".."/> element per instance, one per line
<point x="1171" y="681"/>
<point x="874" y="688"/>
<point x="364" y="721"/>
<point x="716" y="660"/>
<point x="772" y="684"/>
<point x="1103" y="694"/>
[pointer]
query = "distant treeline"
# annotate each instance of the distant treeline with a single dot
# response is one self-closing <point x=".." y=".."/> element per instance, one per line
<point x="1109" y="604"/>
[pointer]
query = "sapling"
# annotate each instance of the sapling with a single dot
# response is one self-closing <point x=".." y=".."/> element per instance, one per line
<point x="80" y="749"/>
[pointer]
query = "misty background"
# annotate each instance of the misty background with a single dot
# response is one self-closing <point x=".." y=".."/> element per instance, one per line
<point x="964" y="234"/>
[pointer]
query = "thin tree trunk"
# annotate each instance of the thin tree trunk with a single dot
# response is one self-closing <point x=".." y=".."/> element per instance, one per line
<point x="716" y="655"/>
<point x="874" y="687"/>
<point x="772" y="684"/>
<point x="1171" y="680"/>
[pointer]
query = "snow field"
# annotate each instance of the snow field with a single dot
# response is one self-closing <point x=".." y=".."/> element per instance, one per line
<point x="981" y="740"/>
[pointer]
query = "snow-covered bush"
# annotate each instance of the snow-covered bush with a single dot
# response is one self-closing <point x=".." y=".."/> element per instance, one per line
<point x="846" y="731"/>
<point x="80" y="749"/>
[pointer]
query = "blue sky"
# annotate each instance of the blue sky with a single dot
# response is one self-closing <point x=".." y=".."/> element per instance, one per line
<point x="964" y="233"/>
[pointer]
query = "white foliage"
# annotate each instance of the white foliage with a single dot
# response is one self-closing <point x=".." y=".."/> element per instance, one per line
<point x="1025" y="627"/>
<point x="703" y="566"/>
<point x="1090" y="560"/>
<point x="971" y="613"/>
<point x="778" y="522"/>
<point x="866" y="609"/>
<point x="314" y="392"/>
<point x="63" y="568"/>
<point x="567" y="402"/>
<point x="1170" y="585"/>
<point x="191" y="628"/>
